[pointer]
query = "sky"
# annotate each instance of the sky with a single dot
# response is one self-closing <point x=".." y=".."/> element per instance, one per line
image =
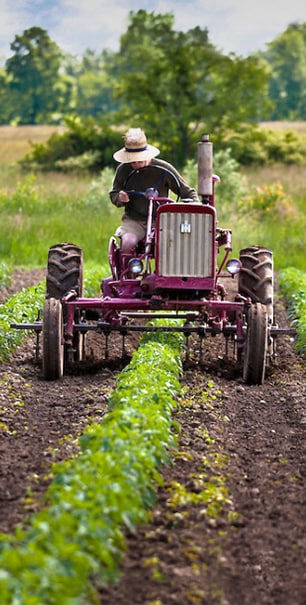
<point x="234" y="26"/>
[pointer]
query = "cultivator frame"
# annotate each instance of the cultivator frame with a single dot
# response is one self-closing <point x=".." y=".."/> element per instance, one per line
<point x="173" y="274"/>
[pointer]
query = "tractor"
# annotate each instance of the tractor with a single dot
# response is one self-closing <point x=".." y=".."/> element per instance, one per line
<point x="178" y="271"/>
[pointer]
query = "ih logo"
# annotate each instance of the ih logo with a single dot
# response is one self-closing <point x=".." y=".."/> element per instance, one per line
<point x="185" y="227"/>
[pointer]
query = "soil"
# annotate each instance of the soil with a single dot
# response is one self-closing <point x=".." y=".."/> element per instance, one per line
<point x="252" y="439"/>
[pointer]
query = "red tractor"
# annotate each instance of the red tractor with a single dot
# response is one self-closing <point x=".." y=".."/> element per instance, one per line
<point x="178" y="272"/>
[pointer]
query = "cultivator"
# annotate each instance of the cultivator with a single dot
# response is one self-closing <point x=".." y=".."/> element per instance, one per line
<point x="175" y="277"/>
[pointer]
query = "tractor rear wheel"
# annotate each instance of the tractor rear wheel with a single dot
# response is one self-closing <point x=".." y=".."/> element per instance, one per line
<point x="53" y="339"/>
<point x="255" y="352"/>
<point x="65" y="273"/>
<point x="65" y="270"/>
<point x="256" y="277"/>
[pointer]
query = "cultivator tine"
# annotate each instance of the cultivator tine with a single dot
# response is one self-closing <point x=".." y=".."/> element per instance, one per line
<point x="187" y="354"/>
<point x="235" y="348"/>
<point x="123" y="350"/>
<point x="201" y="348"/>
<point x="83" y="346"/>
<point x="106" y="348"/>
<point x="226" y="346"/>
<point x="37" y="348"/>
<point x="37" y="338"/>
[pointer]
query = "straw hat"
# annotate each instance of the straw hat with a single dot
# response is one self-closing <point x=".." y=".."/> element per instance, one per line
<point x="136" y="148"/>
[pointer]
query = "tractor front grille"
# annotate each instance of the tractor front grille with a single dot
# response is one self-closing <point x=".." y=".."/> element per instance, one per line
<point x="186" y="247"/>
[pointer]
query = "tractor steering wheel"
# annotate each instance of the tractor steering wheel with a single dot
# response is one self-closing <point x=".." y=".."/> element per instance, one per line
<point x="153" y="190"/>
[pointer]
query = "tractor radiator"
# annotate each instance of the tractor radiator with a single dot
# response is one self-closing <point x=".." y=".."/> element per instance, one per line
<point x="186" y="247"/>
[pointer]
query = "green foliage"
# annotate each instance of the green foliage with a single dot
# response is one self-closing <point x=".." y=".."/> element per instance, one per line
<point x="93" y="276"/>
<point x="163" y="79"/>
<point x="269" y="216"/>
<point x="21" y="307"/>
<point x="168" y="80"/>
<point x="34" y="77"/>
<point x="94" y="497"/>
<point x="251" y="144"/>
<point x="232" y="185"/>
<point x="75" y="208"/>
<point x="293" y="284"/>
<point x="85" y="145"/>
<point x="269" y="199"/>
<point x="286" y="57"/>
<point x="4" y="275"/>
<point x="5" y="102"/>
<point x="24" y="198"/>
<point x="95" y="84"/>
<point x="34" y="217"/>
<point x="88" y="145"/>
<point x="24" y="307"/>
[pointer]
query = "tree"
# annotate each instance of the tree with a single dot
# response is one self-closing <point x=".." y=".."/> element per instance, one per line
<point x="94" y="85"/>
<point x="5" y="104"/>
<point x="177" y="84"/>
<point x="34" y="78"/>
<point x="287" y="58"/>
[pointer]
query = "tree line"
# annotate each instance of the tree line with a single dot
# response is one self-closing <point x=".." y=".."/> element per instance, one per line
<point x="173" y="83"/>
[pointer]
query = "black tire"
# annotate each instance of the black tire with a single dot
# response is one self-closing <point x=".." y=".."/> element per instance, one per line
<point x="256" y="277"/>
<point x="255" y="353"/>
<point x="65" y="270"/>
<point x="53" y="333"/>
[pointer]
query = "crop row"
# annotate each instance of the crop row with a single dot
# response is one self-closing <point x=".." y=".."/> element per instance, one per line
<point x="293" y="286"/>
<point x="94" y="497"/>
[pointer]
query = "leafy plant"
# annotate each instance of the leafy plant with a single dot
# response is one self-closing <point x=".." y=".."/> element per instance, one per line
<point x="4" y="275"/>
<point x="232" y="185"/>
<point x="269" y="199"/>
<point x="86" y="144"/>
<point x="25" y="306"/>
<point x="21" y="307"/>
<point x="293" y="285"/>
<point x="254" y="145"/>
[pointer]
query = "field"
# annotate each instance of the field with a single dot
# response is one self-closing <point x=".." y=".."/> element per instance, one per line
<point x="38" y="210"/>
<point x="228" y="518"/>
<point x="299" y="127"/>
<point x="15" y="141"/>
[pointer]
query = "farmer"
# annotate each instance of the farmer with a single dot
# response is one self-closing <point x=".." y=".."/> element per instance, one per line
<point x="137" y="172"/>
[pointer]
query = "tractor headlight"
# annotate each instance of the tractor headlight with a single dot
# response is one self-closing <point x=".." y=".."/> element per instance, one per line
<point x="233" y="266"/>
<point x="135" y="266"/>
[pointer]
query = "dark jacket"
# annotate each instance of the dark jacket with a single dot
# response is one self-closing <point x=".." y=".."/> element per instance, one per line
<point x="133" y="181"/>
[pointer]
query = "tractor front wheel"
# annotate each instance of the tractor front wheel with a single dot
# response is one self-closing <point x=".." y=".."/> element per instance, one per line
<point x="256" y="276"/>
<point x="53" y="339"/>
<point x="255" y="353"/>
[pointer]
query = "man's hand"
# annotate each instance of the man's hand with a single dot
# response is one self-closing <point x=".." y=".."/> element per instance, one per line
<point x="123" y="197"/>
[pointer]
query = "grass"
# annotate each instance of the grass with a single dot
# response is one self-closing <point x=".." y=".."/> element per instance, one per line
<point x="292" y="177"/>
<point x="284" y="235"/>
<point x="299" y="127"/>
<point x="40" y="210"/>
<point x="15" y="140"/>
<point x="37" y="211"/>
